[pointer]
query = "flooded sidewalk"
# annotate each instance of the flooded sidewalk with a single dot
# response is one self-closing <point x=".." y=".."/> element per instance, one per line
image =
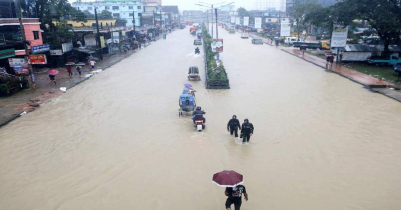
<point x="28" y="100"/>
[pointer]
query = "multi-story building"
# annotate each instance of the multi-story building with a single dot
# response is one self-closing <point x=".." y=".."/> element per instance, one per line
<point x="120" y="9"/>
<point x="196" y="16"/>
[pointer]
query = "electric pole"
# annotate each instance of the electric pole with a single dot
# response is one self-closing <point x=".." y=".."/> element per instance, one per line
<point x="217" y="28"/>
<point x="98" y="37"/>
<point x="212" y="21"/>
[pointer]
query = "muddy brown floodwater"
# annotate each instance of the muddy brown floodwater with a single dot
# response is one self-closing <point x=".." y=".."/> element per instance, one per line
<point x="116" y="141"/>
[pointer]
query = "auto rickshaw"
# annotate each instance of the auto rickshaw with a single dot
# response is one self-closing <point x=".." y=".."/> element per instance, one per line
<point x="193" y="73"/>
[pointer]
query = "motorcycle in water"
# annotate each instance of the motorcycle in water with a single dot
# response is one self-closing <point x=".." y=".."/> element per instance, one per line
<point x="197" y="51"/>
<point x="198" y="120"/>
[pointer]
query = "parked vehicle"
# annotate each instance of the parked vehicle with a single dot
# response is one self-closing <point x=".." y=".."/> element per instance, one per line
<point x="290" y="40"/>
<point x="257" y="41"/>
<point x="322" y="45"/>
<point x="393" y="60"/>
<point x="231" y="31"/>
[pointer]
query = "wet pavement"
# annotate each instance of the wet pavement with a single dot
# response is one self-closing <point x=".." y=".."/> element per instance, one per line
<point x="116" y="141"/>
<point x="386" y="88"/>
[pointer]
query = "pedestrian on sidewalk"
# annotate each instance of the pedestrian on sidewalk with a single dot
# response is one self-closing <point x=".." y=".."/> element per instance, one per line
<point x="246" y="131"/>
<point x="233" y="125"/>
<point x="52" y="79"/>
<point x="277" y="43"/>
<point x="92" y="63"/>
<point x="79" y="70"/>
<point x="330" y="60"/>
<point x="235" y="196"/>
<point x="69" y="71"/>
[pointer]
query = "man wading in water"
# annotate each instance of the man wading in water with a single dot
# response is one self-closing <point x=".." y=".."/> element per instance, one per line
<point x="234" y="196"/>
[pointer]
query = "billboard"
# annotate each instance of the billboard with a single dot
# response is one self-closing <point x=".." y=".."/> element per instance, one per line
<point x="246" y="21"/>
<point x="237" y="21"/>
<point x="339" y="36"/>
<point x="232" y="19"/>
<point x="38" y="59"/>
<point x="40" y="48"/>
<point x="7" y="53"/>
<point x="217" y="45"/>
<point x="67" y="47"/>
<point x="258" y="22"/>
<point x="285" y="29"/>
<point x="116" y="37"/>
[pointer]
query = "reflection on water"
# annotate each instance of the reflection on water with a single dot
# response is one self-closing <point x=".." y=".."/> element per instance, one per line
<point x="116" y="141"/>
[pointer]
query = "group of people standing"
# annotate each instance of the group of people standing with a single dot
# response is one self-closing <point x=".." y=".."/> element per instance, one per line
<point x="246" y="128"/>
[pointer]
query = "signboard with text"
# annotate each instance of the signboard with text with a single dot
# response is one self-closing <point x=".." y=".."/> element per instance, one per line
<point x="20" y="65"/>
<point x="339" y="36"/>
<point x="40" y="48"/>
<point x="232" y="19"/>
<point x="246" y="21"/>
<point x="237" y="21"/>
<point x="116" y="37"/>
<point x="102" y="44"/>
<point x="67" y="47"/>
<point x="7" y="53"/>
<point x="56" y="52"/>
<point x="38" y="59"/>
<point x="285" y="29"/>
<point x="258" y="22"/>
<point x="217" y="45"/>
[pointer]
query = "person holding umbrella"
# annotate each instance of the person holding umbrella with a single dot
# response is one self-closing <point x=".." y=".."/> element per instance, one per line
<point x="52" y="76"/>
<point x="234" y="190"/>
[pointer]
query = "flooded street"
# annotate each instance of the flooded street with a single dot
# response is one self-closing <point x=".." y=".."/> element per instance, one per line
<point x="116" y="142"/>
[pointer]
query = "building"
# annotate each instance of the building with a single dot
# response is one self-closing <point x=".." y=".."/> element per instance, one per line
<point x="196" y="16"/>
<point x="172" y="15"/>
<point x="11" y="43"/>
<point x="120" y="9"/>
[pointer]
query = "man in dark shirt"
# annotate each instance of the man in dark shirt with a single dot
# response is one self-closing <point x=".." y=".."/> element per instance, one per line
<point x="234" y="196"/>
<point x="246" y="131"/>
<point x="233" y="126"/>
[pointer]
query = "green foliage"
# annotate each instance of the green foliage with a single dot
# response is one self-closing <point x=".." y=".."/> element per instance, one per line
<point x="301" y="10"/>
<point x="89" y="15"/>
<point x="382" y="15"/>
<point x="210" y="57"/>
<point x="58" y="34"/>
<point x="4" y="89"/>
<point x="49" y="10"/>
<point x="242" y="12"/>
<point x="105" y="15"/>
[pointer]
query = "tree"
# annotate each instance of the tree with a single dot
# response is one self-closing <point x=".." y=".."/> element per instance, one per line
<point x="105" y="15"/>
<point x="58" y="34"/>
<point x="49" y="10"/>
<point x="301" y="10"/>
<point x="382" y="15"/>
<point x="89" y="15"/>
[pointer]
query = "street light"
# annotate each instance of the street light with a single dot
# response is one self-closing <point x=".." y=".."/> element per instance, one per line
<point x="212" y="5"/>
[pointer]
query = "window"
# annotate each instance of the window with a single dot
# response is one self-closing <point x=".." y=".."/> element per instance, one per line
<point x="106" y="7"/>
<point x="116" y="7"/>
<point x="283" y="19"/>
<point x="93" y="24"/>
<point x="130" y="7"/>
<point x="35" y="35"/>
<point x="270" y="20"/>
<point x="131" y="14"/>
<point x="139" y="7"/>
<point x="117" y="15"/>
<point x="89" y="8"/>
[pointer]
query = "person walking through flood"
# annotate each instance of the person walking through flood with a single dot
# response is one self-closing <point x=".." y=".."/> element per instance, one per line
<point x="235" y="196"/>
<point x="79" y="70"/>
<point x="246" y="131"/>
<point x="69" y="71"/>
<point x="53" y="79"/>
<point x="233" y="125"/>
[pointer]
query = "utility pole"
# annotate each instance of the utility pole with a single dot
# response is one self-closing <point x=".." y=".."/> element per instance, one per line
<point x="30" y="71"/>
<point x="212" y="21"/>
<point x="98" y="36"/>
<point x="154" y="20"/>
<point x="217" y="28"/>
<point x="133" y="21"/>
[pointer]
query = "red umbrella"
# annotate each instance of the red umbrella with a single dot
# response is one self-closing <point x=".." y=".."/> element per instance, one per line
<point x="53" y="72"/>
<point x="228" y="178"/>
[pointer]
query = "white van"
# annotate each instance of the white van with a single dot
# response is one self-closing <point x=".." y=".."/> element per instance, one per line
<point x="290" y="40"/>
